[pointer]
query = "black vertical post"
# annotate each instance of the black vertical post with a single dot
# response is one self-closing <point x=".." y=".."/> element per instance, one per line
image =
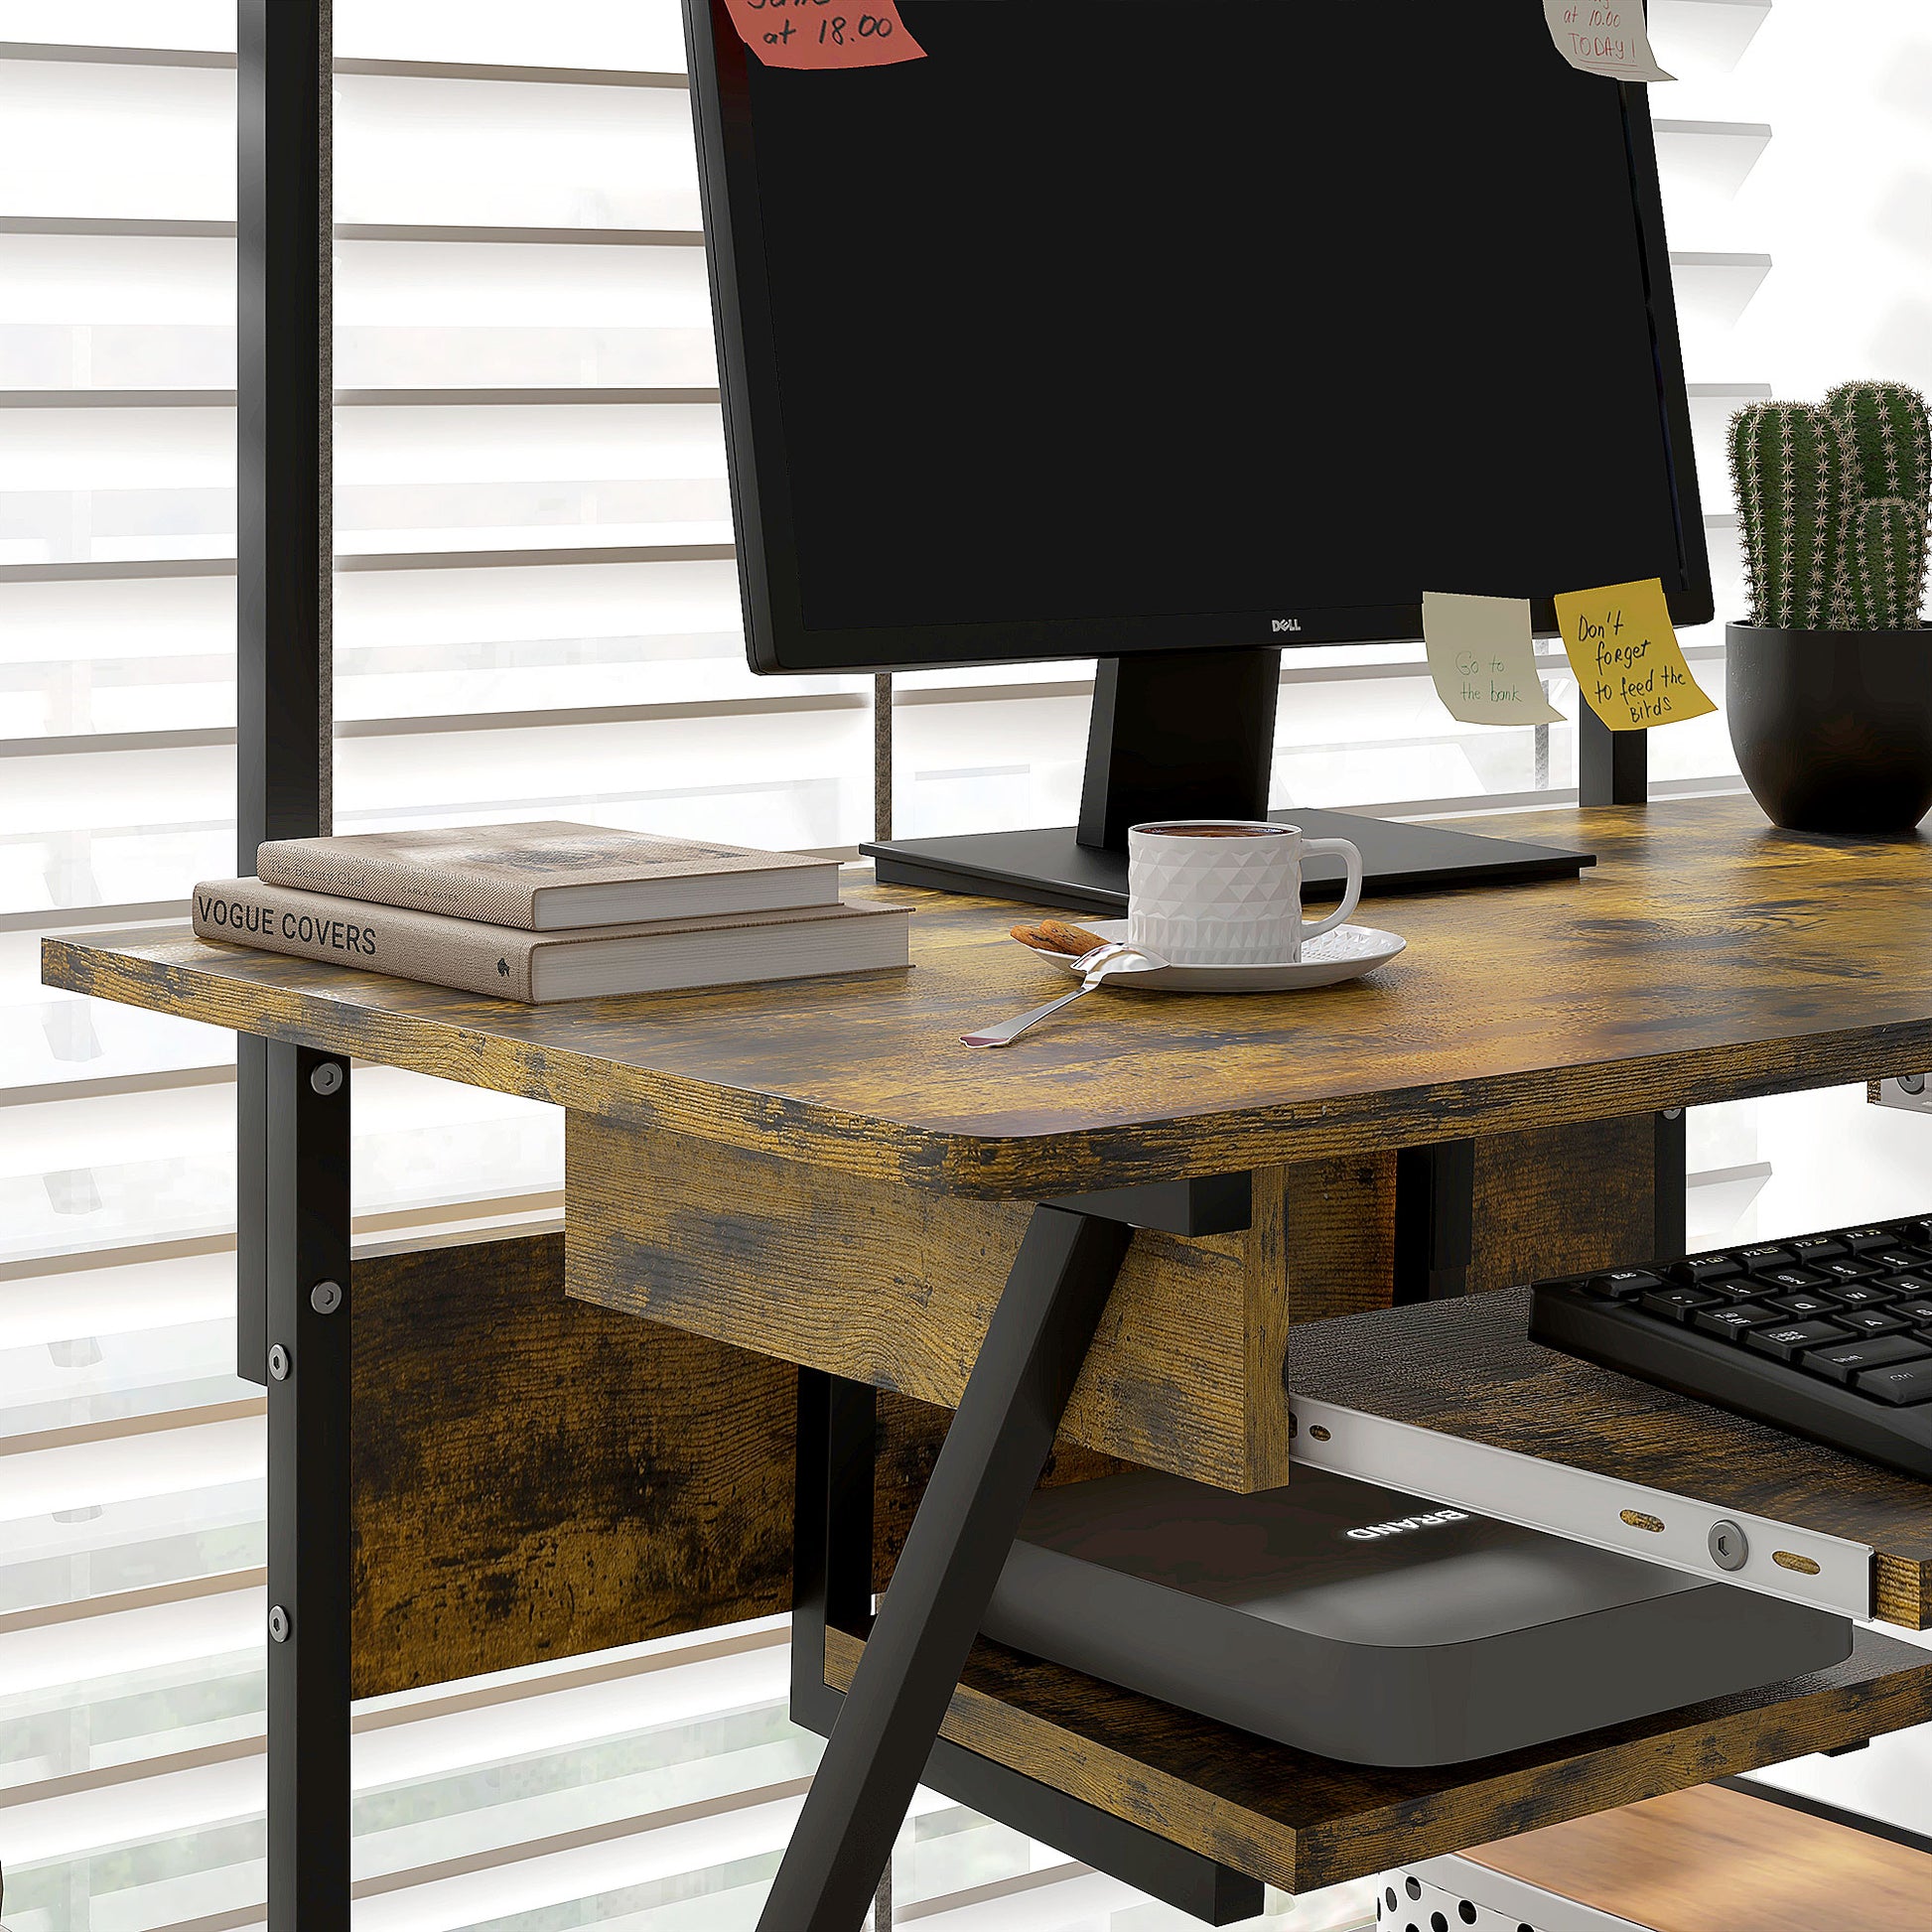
<point x="284" y="709"/>
<point x="1612" y="767"/>
<point x="1435" y="1220"/>
<point x="1671" y="1184"/>
<point x="306" y="1171"/>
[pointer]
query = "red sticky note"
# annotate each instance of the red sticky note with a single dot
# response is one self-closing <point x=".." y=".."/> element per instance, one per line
<point x="824" y="33"/>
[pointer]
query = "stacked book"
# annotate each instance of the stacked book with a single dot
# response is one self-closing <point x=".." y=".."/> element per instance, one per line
<point x="552" y="911"/>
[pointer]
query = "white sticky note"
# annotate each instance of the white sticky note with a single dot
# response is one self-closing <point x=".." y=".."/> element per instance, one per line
<point x="1606" y="36"/>
<point x="1483" y="656"/>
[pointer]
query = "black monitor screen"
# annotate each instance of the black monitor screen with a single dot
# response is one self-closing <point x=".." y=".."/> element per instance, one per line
<point x="1119" y="325"/>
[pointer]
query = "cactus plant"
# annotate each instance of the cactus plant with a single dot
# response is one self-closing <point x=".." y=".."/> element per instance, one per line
<point x="1835" y="503"/>
<point x="1887" y="565"/>
<point x="1892" y="434"/>
<point x="1793" y="466"/>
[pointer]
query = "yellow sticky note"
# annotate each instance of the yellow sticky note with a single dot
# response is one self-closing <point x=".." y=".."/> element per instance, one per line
<point x="1483" y="656"/>
<point x="1625" y="652"/>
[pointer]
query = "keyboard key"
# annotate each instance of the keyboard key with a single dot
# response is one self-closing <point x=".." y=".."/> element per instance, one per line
<point x="1765" y="1257"/>
<point x="1861" y="1240"/>
<point x="1849" y="1271"/>
<point x="1816" y="1247"/>
<point x="1790" y="1342"/>
<point x="1907" y="1381"/>
<point x="1917" y="1312"/>
<point x="1744" y="1288"/>
<point x="1871" y="1321"/>
<point x="1805" y="1305"/>
<point x="1866" y="1294"/>
<point x="1840" y="1364"/>
<point x="1679" y="1303"/>
<point x="1736" y="1320"/>
<point x="1626" y="1283"/>
<point x="1794" y="1277"/>
<point x="1893" y="1260"/>
<point x="1698" y="1269"/>
<point x="1918" y="1230"/>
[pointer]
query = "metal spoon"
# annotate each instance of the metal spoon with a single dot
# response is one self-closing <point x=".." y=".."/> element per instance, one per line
<point x="1102" y="963"/>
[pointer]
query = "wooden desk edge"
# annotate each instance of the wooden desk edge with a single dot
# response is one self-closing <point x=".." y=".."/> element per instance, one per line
<point x="987" y="1166"/>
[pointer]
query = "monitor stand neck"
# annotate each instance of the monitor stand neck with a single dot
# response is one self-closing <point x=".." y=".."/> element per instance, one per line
<point x="1178" y="734"/>
<point x="1192" y="734"/>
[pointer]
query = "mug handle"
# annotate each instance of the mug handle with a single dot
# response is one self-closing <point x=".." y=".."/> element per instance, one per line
<point x="1352" y="896"/>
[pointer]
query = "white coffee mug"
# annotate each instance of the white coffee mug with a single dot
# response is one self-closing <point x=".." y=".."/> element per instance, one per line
<point x="1219" y="892"/>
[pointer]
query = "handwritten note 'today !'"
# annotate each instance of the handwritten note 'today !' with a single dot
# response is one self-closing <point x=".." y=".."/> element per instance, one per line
<point x="1606" y="36"/>
<point x="824" y="34"/>
<point x="1629" y="665"/>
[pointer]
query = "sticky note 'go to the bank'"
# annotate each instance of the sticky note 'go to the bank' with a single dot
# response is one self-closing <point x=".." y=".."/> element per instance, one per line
<point x="824" y="34"/>
<point x="1625" y="652"/>
<point x="1606" y="36"/>
<point x="1483" y="656"/>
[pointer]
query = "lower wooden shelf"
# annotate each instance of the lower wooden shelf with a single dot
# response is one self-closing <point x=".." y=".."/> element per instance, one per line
<point x="1711" y="1859"/>
<point x="1300" y="1822"/>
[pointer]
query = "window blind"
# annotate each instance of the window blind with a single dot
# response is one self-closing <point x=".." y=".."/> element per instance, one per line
<point x="535" y="616"/>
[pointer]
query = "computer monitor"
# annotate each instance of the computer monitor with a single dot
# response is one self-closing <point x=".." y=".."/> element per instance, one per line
<point x="1174" y="333"/>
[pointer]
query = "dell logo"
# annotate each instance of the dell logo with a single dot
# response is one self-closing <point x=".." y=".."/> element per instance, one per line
<point x="1288" y="627"/>
<point x="1374" y="1532"/>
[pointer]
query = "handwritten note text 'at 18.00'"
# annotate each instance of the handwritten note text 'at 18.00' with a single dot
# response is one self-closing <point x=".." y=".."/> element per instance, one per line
<point x="824" y="34"/>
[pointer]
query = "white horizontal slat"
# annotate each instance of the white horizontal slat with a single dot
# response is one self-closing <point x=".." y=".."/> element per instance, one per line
<point x="531" y="155"/>
<point x="117" y="143"/>
<point x="566" y="1720"/>
<point x="205" y="24"/>
<point x="1710" y="158"/>
<point x="1705" y="37"/>
<point x="162" y="1462"/>
<point x="117" y="1300"/>
<point x="127" y="1642"/>
<point x="646" y="35"/>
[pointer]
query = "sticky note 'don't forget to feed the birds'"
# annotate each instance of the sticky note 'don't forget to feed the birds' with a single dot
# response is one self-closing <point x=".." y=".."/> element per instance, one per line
<point x="1483" y="656"/>
<point x="1624" y="648"/>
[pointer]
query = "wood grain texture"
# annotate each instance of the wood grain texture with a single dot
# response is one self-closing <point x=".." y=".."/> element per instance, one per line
<point x="1707" y="957"/>
<point x="1553" y="1199"/>
<point x="1713" y="1859"/>
<point x="1302" y="1822"/>
<point x="1468" y="1369"/>
<point x="534" y="1478"/>
<point x="895" y="1288"/>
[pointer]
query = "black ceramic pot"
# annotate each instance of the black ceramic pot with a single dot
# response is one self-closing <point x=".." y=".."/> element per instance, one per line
<point x="1833" y="728"/>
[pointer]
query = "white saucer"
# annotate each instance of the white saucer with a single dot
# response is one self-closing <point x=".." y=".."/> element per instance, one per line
<point x="1347" y="953"/>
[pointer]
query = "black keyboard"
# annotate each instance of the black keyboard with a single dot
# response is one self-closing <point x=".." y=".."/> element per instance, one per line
<point x="1829" y="1336"/>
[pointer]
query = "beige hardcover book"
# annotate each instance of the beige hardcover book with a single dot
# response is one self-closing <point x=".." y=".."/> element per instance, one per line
<point x="548" y="876"/>
<point x="537" y="968"/>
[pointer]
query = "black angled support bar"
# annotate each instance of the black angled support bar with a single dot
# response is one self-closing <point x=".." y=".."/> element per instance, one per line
<point x="306" y="1171"/>
<point x="283" y="694"/>
<point x="833" y="1557"/>
<point x="994" y="1453"/>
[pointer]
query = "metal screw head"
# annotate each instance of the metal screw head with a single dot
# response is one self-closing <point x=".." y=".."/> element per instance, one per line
<point x="278" y="1624"/>
<point x="1729" y="1547"/>
<point x="328" y="1077"/>
<point x="1673" y="1113"/>
<point x="326" y="1297"/>
<point x="1911" y="1083"/>
<point x="278" y="1363"/>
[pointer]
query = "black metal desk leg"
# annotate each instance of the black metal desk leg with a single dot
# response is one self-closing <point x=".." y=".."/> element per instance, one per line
<point x="307" y="1201"/>
<point x="994" y="1453"/>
